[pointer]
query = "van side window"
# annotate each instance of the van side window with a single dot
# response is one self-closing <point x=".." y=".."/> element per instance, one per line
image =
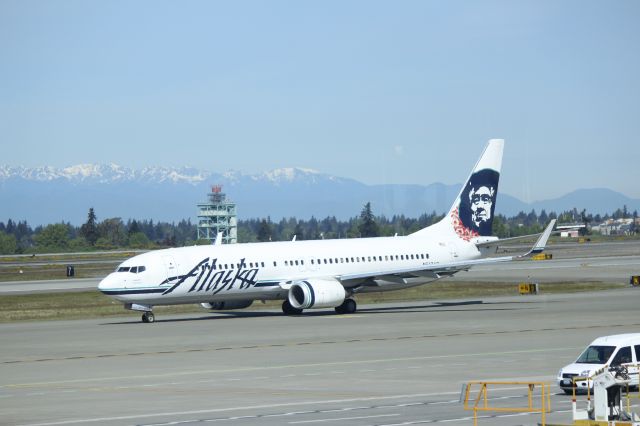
<point x="637" y="348"/>
<point x="622" y="357"/>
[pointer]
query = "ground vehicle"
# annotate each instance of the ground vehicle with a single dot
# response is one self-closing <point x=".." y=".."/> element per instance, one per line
<point x="612" y="351"/>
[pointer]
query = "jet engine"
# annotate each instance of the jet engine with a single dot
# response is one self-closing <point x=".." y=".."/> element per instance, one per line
<point x="310" y="294"/>
<point x="226" y="305"/>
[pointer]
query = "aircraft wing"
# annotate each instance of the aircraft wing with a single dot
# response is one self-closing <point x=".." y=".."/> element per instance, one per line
<point x="500" y="242"/>
<point x="446" y="269"/>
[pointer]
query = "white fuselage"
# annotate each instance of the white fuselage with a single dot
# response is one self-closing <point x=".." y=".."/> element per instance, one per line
<point x="256" y="271"/>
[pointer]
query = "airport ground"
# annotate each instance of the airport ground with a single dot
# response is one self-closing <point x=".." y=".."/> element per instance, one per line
<point x="388" y="364"/>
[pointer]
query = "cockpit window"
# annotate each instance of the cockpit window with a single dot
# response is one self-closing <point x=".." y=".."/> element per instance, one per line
<point x="132" y="269"/>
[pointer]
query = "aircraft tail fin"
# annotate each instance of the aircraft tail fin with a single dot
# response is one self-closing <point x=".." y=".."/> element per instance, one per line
<point x="472" y="212"/>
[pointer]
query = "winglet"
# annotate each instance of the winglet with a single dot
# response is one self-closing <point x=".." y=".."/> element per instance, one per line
<point x="542" y="240"/>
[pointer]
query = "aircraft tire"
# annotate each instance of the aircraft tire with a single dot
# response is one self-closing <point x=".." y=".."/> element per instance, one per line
<point x="347" y="307"/>
<point x="350" y="306"/>
<point x="290" y="310"/>
<point x="148" y="317"/>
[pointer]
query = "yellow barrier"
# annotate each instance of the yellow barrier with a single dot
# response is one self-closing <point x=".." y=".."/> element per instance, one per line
<point x="542" y="256"/>
<point x="543" y="409"/>
<point x="528" y="288"/>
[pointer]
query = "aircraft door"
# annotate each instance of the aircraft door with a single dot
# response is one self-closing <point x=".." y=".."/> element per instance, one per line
<point x="453" y="251"/>
<point x="170" y="267"/>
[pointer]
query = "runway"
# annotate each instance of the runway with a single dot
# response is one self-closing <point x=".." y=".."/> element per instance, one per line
<point x="386" y="365"/>
<point x="48" y="286"/>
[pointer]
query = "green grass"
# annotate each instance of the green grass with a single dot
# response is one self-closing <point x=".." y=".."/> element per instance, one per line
<point x="14" y="268"/>
<point x="93" y="304"/>
<point x="55" y="272"/>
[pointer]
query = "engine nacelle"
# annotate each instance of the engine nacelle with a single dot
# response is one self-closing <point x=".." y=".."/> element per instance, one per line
<point x="311" y="294"/>
<point x="226" y="305"/>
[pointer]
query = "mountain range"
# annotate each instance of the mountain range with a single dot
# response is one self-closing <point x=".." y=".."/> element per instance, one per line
<point x="45" y="195"/>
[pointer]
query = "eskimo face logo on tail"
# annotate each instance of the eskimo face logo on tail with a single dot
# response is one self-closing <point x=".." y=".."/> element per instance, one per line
<point x="474" y="215"/>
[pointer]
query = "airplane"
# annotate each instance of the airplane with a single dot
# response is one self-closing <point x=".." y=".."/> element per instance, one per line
<point x="320" y="274"/>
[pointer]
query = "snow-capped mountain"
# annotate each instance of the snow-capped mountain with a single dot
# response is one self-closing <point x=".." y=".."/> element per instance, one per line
<point x="45" y="195"/>
<point x="104" y="173"/>
<point x="113" y="173"/>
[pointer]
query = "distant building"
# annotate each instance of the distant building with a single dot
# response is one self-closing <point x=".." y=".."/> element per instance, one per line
<point x="218" y="215"/>
<point x="615" y="227"/>
<point x="570" y="230"/>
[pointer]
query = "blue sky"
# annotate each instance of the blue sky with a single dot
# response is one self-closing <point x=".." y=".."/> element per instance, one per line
<point x="403" y="92"/>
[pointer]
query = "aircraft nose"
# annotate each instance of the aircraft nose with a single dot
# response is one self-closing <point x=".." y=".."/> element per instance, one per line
<point x="107" y="284"/>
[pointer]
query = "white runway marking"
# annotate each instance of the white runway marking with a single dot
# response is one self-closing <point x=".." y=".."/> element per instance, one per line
<point x="343" y="418"/>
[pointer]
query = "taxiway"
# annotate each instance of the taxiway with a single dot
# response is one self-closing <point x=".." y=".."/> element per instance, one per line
<point x="386" y="365"/>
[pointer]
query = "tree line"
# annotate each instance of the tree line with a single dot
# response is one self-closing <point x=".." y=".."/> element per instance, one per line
<point x="114" y="233"/>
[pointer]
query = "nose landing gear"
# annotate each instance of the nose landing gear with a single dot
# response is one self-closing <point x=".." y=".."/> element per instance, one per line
<point x="148" y="317"/>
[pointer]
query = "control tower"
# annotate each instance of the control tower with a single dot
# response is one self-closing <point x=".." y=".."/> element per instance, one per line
<point x="218" y="215"/>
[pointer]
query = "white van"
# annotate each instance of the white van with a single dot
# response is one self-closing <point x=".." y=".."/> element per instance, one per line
<point x="612" y="351"/>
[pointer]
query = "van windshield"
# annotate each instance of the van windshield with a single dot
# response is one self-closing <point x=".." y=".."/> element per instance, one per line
<point x="596" y="355"/>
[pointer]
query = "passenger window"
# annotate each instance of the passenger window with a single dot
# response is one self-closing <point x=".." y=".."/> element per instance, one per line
<point x="622" y="357"/>
<point x="275" y="263"/>
<point x="262" y="264"/>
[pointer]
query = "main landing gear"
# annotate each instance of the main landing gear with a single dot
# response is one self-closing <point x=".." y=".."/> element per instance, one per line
<point x="148" y="317"/>
<point x="290" y="310"/>
<point x="348" y="307"/>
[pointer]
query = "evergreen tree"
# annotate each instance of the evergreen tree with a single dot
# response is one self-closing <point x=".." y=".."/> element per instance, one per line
<point x="133" y="227"/>
<point x="264" y="232"/>
<point x="299" y="231"/>
<point x="90" y="229"/>
<point x="7" y="243"/>
<point x="368" y="226"/>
